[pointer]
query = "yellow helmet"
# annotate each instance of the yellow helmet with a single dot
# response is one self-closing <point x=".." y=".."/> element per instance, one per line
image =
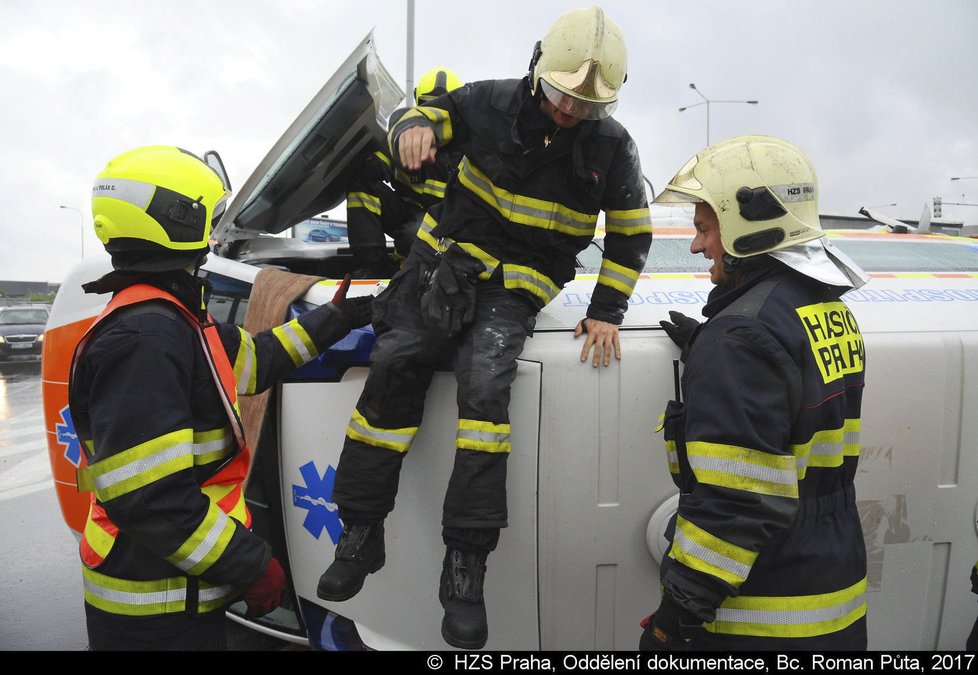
<point x="434" y="83"/>
<point x="763" y="189"/>
<point x="581" y="64"/>
<point x="159" y="200"/>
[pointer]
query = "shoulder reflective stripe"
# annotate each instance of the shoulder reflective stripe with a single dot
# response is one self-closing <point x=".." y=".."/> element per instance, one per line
<point x="142" y="464"/>
<point x="743" y="469"/>
<point x="398" y="440"/>
<point x="618" y="277"/>
<point x="244" y="364"/>
<point x="134" y="598"/>
<point x="133" y="192"/>
<point x="526" y="210"/>
<point x="793" y="616"/>
<point x="699" y="550"/>
<point x="628" y="222"/>
<point x="296" y="342"/>
<point x="212" y="446"/>
<point x="672" y="457"/>
<point x="527" y="278"/>
<point x="483" y="436"/>
<point x="363" y="200"/>
<point x="207" y="543"/>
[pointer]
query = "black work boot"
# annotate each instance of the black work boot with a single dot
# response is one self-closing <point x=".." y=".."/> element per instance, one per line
<point x="359" y="552"/>
<point x="460" y="592"/>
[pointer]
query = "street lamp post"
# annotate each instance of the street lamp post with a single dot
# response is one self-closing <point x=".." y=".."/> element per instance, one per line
<point x="81" y="217"/>
<point x="708" y="101"/>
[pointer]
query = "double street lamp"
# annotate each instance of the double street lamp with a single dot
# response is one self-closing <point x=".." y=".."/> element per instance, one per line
<point x="708" y="101"/>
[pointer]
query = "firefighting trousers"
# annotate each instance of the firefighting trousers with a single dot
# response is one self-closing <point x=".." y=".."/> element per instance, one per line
<point x="164" y="632"/>
<point x="390" y="409"/>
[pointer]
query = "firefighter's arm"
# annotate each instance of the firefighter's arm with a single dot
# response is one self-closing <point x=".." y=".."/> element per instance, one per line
<point x="147" y="448"/>
<point x="263" y="359"/>
<point x="415" y="136"/>
<point x="628" y="235"/>
<point x="742" y="392"/>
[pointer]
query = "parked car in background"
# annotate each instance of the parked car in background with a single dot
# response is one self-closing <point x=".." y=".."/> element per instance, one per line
<point x="22" y="331"/>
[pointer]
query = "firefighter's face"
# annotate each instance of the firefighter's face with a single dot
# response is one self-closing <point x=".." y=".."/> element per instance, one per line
<point x="707" y="240"/>
<point x="560" y="118"/>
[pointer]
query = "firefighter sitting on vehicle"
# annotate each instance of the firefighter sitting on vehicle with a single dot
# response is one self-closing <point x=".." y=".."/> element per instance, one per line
<point x="542" y="158"/>
<point x="153" y="395"/>
<point x="383" y="200"/>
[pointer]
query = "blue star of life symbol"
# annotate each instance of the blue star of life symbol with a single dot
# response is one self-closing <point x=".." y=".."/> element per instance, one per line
<point x="316" y="497"/>
<point x="68" y="437"/>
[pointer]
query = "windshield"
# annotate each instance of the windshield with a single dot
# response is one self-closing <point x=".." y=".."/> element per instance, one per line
<point x="672" y="256"/>
<point x="9" y="317"/>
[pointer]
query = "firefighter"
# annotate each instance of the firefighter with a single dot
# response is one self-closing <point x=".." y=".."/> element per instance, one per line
<point x="152" y="393"/>
<point x="382" y="200"/>
<point x="542" y="157"/>
<point x="767" y="550"/>
<point x="972" y="643"/>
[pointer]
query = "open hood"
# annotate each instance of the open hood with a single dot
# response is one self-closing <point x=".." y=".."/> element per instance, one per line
<point x="302" y="175"/>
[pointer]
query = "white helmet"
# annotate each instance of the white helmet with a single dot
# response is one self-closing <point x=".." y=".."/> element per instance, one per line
<point x="581" y="64"/>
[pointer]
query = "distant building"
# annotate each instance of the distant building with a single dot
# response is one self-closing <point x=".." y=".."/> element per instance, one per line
<point x="954" y="228"/>
<point x="21" y="291"/>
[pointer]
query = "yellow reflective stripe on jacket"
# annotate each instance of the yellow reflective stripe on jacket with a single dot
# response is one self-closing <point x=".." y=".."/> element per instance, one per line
<point x="424" y="234"/>
<point x="628" y="222"/>
<point x="138" y="466"/>
<point x="699" y="550"/>
<point x="435" y="188"/>
<point x="828" y="448"/>
<point x="245" y="364"/>
<point x="483" y="436"/>
<point x="97" y="538"/>
<point x="743" y="469"/>
<point x="147" y="598"/>
<point x="793" y="616"/>
<point x="526" y="210"/>
<point x="527" y="278"/>
<point x="296" y="342"/>
<point x="442" y="124"/>
<point x="363" y="200"/>
<point x="212" y="446"/>
<point x="207" y="543"/>
<point x="398" y="440"/>
<point x="618" y="277"/>
<point x="672" y="457"/>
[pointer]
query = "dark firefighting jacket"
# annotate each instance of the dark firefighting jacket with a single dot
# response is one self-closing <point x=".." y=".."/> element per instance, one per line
<point x="767" y="543"/>
<point x="527" y="194"/>
<point x="153" y="398"/>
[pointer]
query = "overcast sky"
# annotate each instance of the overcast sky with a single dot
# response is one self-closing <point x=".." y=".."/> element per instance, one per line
<point x="882" y="94"/>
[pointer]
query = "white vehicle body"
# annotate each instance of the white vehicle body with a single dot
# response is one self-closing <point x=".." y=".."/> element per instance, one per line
<point x="589" y="489"/>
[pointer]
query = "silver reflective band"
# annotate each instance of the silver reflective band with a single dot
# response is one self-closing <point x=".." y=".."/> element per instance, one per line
<point x="710" y="556"/>
<point x="745" y="469"/>
<point x="134" y="192"/>
<point x="141" y="466"/>
<point x="289" y="330"/>
<point x="785" y="617"/>
<point x="205" y="546"/>
<point x="135" y="598"/>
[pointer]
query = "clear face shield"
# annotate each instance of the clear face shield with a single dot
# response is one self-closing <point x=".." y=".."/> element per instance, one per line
<point x="574" y="106"/>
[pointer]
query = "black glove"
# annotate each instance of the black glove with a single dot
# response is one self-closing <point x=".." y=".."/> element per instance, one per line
<point x="357" y="311"/>
<point x="680" y="329"/>
<point x="448" y="299"/>
<point x="663" y="629"/>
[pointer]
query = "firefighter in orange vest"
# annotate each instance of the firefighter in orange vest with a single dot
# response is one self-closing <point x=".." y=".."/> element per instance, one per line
<point x="153" y="393"/>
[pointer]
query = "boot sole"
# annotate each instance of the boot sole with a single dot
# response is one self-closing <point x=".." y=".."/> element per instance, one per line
<point x="340" y="597"/>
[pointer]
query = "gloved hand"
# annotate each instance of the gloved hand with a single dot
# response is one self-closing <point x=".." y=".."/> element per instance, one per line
<point x="680" y="328"/>
<point x="265" y="594"/>
<point x="448" y="301"/>
<point x="663" y="629"/>
<point x="357" y="311"/>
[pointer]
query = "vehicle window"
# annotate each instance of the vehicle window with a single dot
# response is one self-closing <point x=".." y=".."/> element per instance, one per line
<point x="666" y="256"/>
<point x="226" y="298"/>
<point x="909" y="256"/>
<point x="19" y="316"/>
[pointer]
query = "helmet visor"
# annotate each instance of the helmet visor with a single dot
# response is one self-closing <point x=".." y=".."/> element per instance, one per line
<point x="577" y="107"/>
